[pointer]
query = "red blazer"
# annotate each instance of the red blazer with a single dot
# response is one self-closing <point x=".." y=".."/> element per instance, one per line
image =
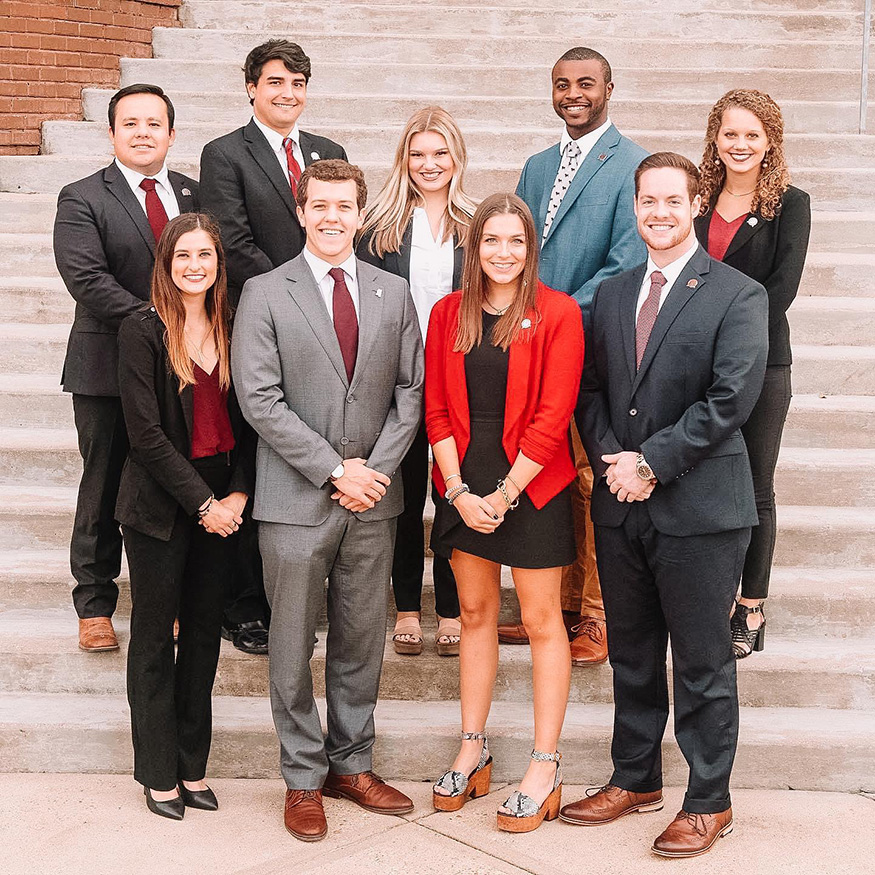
<point x="543" y="381"/>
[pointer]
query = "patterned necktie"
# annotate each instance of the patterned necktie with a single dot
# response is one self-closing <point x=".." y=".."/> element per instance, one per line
<point x="294" y="167"/>
<point x="567" y="168"/>
<point x="155" y="211"/>
<point x="647" y="316"/>
<point x="346" y="324"/>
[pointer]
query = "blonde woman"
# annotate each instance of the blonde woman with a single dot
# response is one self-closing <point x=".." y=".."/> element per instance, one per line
<point x="416" y="229"/>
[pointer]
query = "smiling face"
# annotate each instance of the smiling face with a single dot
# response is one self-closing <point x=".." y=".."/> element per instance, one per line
<point x="195" y="263"/>
<point x="429" y="163"/>
<point x="279" y="96"/>
<point x="665" y="213"/>
<point x="331" y="218"/>
<point x="142" y="133"/>
<point x="503" y="249"/>
<point x="741" y="141"/>
<point x="581" y="95"/>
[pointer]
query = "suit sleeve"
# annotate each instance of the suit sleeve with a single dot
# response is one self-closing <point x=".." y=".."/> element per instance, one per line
<point x="82" y="263"/>
<point x="739" y="365"/>
<point x="405" y="414"/>
<point x="222" y="195"/>
<point x="150" y="445"/>
<point x="243" y="473"/>
<point x="792" y="247"/>
<point x="257" y="374"/>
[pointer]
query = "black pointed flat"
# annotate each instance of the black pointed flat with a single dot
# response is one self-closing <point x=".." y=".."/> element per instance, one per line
<point x="172" y="808"/>
<point x="203" y="799"/>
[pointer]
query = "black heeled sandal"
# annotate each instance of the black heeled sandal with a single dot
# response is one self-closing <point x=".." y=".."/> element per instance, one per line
<point x="744" y="640"/>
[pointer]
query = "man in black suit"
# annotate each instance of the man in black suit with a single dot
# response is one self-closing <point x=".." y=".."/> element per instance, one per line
<point x="675" y="362"/>
<point x="249" y="180"/>
<point x="104" y="241"/>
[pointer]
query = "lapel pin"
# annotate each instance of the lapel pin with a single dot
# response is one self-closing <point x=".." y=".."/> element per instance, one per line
<point x="752" y="221"/>
<point x="314" y="156"/>
<point x="691" y="284"/>
<point x="379" y="293"/>
<point x="186" y="193"/>
<point x="603" y="156"/>
<point x="526" y="323"/>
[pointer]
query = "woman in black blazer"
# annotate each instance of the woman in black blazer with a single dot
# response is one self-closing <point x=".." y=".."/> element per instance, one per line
<point x="183" y="489"/>
<point x="755" y="221"/>
<point x="416" y="229"/>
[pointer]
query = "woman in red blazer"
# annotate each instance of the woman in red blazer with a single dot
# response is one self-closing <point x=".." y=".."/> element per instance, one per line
<point x="503" y="360"/>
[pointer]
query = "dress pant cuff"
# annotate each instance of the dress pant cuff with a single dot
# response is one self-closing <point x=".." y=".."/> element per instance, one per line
<point x="633" y="786"/>
<point x="353" y="765"/>
<point x="706" y="806"/>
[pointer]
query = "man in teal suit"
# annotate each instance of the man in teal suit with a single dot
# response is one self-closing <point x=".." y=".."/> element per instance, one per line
<point x="581" y="192"/>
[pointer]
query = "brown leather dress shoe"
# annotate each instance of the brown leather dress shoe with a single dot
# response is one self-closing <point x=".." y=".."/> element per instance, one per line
<point x="512" y="633"/>
<point x="96" y="634"/>
<point x="304" y="815"/>
<point x="590" y="643"/>
<point x="369" y="791"/>
<point x="609" y="804"/>
<point x="689" y="835"/>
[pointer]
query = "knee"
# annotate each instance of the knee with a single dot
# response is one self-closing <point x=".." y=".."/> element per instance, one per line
<point x="543" y="625"/>
<point x="479" y="614"/>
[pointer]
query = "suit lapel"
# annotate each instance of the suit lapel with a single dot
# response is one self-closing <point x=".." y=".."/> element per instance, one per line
<point x="308" y="148"/>
<point x="745" y="233"/>
<point x="519" y="361"/>
<point x="184" y="197"/>
<point x="186" y="399"/>
<point x="549" y="168"/>
<point x="119" y="188"/>
<point x="261" y="152"/>
<point x="370" y="316"/>
<point x="628" y="304"/>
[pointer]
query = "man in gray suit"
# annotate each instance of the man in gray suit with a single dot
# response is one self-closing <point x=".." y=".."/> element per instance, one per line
<point x="328" y="367"/>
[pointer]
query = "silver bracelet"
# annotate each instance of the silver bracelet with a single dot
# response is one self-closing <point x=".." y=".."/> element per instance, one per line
<point x="453" y="494"/>
<point x="502" y="488"/>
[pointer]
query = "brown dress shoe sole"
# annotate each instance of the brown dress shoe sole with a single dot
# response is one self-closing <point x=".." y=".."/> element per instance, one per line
<point x="341" y="794"/>
<point x="639" y="809"/>
<point x="98" y="649"/>
<point x="307" y="838"/>
<point x="589" y="662"/>
<point x="723" y="832"/>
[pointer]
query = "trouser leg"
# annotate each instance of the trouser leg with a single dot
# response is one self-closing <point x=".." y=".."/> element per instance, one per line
<point x="408" y="559"/>
<point x="245" y="600"/>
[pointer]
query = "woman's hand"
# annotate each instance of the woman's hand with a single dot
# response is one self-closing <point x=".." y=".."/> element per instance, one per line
<point x="221" y="520"/>
<point x="477" y="513"/>
<point x="236" y="501"/>
<point x="497" y="503"/>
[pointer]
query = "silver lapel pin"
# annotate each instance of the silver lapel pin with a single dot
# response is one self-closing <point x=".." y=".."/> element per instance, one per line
<point x="314" y="156"/>
<point x="378" y="293"/>
<point x="186" y="193"/>
<point x="752" y="221"/>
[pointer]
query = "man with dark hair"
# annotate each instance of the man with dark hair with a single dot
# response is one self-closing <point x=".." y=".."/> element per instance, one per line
<point x="105" y="232"/>
<point x="249" y="179"/>
<point x="675" y="360"/>
<point x="580" y="193"/>
<point x="328" y="367"/>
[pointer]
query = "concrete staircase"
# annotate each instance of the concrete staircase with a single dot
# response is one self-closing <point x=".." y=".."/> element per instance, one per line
<point x="808" y="718"/>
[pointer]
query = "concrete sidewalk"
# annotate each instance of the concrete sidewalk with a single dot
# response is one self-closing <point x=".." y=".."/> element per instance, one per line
<point x="98" y="824"/>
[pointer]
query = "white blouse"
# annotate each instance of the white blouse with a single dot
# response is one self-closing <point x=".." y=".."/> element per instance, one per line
<point x="431" y="268"/>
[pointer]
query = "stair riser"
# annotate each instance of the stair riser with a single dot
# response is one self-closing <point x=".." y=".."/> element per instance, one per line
<point x="24" y="410"/>
<point x="833" y="328"/>
<point x="814" y="375"/>
<point x="37" y="303"/>
<point x="23" y="257"/>
<point x="55" y="467"/>
<point x="32" y="356"/>
<point x="827" y="428"/>
<point x="635" y="5"/>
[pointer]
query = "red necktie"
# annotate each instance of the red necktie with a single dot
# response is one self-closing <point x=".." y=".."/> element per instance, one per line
<point x="647" y="316"/>
<point x="346" y="324"/>
<point x="294" y="167"/>
<point x="155" y="211"/>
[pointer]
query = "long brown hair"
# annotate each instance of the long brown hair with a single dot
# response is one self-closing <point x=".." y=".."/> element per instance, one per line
<point x="167" y="299"/>
<point x="507" y="330"/>
<point x="774" y="177"/>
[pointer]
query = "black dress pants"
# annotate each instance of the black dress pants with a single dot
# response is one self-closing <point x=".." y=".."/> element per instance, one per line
<point x="245" y="600"/>
<point x="408" y="565"/>
<point x="762" y="434"/>
<point x="657" y="587"/>
<point x="96" y="542"/>
<point x="170" y="699"/>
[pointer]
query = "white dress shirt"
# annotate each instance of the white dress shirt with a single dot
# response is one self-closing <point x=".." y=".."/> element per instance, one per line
<point x="275" y="141"/>
<point x="671" y="272"/>
<point x="584" y="143"/>
<point x="163" y="188"/>
<point x="431" y="267"/>
<point x="325" y="282"/>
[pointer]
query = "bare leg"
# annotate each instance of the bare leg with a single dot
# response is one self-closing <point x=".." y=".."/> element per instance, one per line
<point x="754" y="621"/>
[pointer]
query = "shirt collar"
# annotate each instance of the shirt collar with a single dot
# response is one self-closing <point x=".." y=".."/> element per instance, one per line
<point x="134" y="177"/>
<point x="320" y="268"/>
<point x="275" y="138"/>
<point x="673" y="270"/>
<point x="587" y="141"/>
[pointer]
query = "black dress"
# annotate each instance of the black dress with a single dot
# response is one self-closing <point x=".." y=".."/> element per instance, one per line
<point x="528" y="537"/>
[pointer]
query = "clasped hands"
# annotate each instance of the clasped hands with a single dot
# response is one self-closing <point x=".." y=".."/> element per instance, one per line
<point x="225" y="515"/>
<point x="360" y="487"/>
<point x="622" y="477"/>
<point x="483" y="513"/>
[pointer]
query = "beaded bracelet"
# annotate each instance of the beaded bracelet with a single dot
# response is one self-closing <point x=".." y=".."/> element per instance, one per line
<point x="453" y="494"/>
<point x="502" y="488"/>
<point x="203" y="511"/>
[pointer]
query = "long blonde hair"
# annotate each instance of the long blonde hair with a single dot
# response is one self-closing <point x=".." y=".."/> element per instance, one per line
<point x="393" y="207"/>
<point x="167" y="299"/>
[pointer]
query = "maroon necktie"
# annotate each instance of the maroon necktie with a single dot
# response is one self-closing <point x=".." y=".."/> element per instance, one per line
<point x="294" y="167"/>
<point x="346" y="325"/>
<point x="154" y="208"/>
<point x="647" y="316"/>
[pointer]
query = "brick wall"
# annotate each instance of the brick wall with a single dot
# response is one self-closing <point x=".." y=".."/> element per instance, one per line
<point x="50" y="49"/>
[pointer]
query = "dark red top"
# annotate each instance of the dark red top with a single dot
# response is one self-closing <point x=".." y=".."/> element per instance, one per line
<point x="210" y="426"/>
<point x="721" y="232"/>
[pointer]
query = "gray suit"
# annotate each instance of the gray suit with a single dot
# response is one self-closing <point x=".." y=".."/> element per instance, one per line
<point x="292" y="386"/>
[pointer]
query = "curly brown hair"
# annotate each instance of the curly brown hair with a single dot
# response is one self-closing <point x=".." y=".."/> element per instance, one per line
<point x="774" y="178"/>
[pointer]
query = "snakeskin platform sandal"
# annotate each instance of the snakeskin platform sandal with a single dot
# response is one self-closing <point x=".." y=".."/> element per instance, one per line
<point x="461" y="787"/>
<point x="525" y="814"/>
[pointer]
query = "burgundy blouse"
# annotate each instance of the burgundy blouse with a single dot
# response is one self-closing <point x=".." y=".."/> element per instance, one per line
<point x="211" y="427"/>
<point x="721" y="232"/>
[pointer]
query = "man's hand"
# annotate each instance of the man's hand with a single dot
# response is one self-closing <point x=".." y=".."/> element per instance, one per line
<point x="363" y="485"/>
<point x="623" y="479"/>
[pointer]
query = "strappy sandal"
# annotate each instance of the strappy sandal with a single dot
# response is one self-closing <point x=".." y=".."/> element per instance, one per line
<point x="525" y="814"/>
<point x="450" y="629"/>
<point x="410" y="629"/>
<point x="460" y="787"/>
<point x="745" y="640"/>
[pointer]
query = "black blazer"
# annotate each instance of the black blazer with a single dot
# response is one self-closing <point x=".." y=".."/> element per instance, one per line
<point x="700" y="377"/>
<point x="244" y="187"/>
<point x="105" y="251"/>
<point x="158" y="477"/>
<point x="772" y="251"/>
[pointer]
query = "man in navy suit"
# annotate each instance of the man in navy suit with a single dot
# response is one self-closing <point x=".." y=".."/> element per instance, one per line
<point x="249" y="181"/>
<point x="581" y="193"/>
<point x="104" y="241"/>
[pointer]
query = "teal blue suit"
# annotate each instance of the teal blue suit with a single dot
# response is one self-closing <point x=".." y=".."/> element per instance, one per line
<point x="594" y="235"/>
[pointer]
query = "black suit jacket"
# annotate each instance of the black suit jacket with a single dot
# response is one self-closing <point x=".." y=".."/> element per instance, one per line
<point x="772" y="251"/>
<point x="700" y="377"/>
<point x="105" y="251"/>
<point x="244" y="187"/>
<point x="158" y="477"/>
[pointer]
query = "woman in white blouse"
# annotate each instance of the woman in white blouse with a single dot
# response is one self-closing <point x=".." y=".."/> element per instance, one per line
<point x="416" y="229"/>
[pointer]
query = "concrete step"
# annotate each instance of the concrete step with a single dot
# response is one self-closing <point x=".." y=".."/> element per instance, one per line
<point x="27" y="254"/>
<point x="832" y="320"/>
<point x="634" y="5"/>
<point x="831" y="421"/>
<point x="825" y="537"/>
<point x="843" y="274"/>
<point x="48" y="456"/>
<point x="836" y="231"/>
<point x="27" y="213"/>
<point x="41" y="299"/>
<point x="812" y="476"/>
<point x="806" y="748"/>
<point x="38" y="517"/>
<point x="834" y="370"/>
<point x="35" y="349"/>
<point x="34" y="401"/>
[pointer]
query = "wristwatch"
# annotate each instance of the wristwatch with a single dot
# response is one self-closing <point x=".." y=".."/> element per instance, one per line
<point x="642" y="469"/>
<point x="336" y="473"/>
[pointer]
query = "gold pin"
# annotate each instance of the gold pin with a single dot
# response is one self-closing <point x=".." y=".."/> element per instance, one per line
<point x="691" y="284"/>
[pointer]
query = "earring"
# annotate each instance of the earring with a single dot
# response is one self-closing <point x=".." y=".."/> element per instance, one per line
<point x="716" y="162"/>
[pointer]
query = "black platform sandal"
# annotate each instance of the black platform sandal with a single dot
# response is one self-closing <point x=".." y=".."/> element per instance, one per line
<point x="744" y="640"/>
